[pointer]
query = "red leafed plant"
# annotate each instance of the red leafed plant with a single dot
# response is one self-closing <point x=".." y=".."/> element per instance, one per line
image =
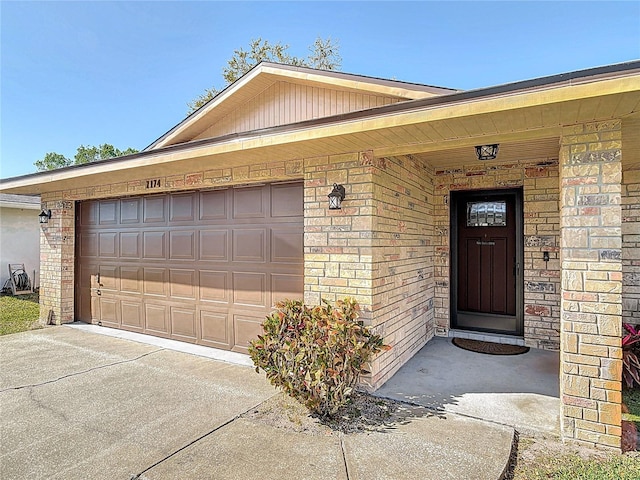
<point x="631" y="355"/>
<point x="315" y="355"/>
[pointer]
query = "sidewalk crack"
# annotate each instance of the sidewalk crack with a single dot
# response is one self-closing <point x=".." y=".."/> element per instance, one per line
<point x="344" y="455"/>
<point x="33" y="385"/>
<point x="139" y="476"/>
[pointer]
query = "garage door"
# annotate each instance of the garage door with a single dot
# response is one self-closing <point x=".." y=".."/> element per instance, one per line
<point x="202" y="267"/>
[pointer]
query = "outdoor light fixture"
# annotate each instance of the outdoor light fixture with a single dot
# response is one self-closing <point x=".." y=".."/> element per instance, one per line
<point x="44" y="216"/>
<point x="336" y="197"/>
<point x="487" y="152"/>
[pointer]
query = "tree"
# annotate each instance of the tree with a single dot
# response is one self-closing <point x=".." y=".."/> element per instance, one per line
<point x="84" y="154"/>
<point x="324" y="56"/>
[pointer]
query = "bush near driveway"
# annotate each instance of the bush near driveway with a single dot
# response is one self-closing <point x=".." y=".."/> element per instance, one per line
<point x="315" y="355"/>
<point x="18" y="314"/>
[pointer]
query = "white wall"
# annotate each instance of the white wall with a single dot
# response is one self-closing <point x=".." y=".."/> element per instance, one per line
<point x="19" y="241"/>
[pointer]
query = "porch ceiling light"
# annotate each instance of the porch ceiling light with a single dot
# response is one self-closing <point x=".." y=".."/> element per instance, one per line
<point x="487" y="152"/>
<point x="336" y="197"/>
<point x="44" y="216"/>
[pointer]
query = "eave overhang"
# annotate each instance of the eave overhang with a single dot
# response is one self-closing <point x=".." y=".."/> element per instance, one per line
<point x="531" y="109"/>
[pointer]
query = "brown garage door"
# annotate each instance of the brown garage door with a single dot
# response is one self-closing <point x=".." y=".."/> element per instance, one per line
<point x="202" y="267"/>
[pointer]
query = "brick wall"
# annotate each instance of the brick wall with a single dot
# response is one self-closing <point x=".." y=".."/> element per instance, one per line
<point x="539" y="180"/>
<point x="57" y="249"/>
<point x="631" y="246"/>
<point x="403" y="265"/>
<point x="631" y="222"/>
<point x="591" y="241"/>
<point x="337" y="243"/>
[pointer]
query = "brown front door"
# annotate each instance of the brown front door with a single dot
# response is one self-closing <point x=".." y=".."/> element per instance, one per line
<point x="487" y="261"/>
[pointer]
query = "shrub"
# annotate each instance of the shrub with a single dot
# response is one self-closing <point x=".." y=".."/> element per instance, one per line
<point x="631" y="355"/>
<point x="315" y="355"/>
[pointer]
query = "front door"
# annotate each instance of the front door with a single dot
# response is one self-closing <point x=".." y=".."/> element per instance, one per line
<point x="487" y="261"/>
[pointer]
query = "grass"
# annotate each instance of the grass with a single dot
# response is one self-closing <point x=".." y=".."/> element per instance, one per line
<point x="631" y="399"/>
<point x="543" y="459"/>
<point x="18" y="314"/>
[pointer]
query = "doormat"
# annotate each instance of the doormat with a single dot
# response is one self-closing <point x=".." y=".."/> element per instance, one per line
<point x="489" y="347"/>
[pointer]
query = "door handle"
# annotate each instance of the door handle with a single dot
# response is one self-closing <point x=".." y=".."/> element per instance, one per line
<point x="98" y="278"/>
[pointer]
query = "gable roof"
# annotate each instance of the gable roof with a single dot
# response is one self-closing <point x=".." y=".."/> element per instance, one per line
<point x="368" y="92"/>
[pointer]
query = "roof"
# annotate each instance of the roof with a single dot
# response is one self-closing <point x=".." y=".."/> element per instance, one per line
<point x="31" y="202"/>
<point x="531" y="109"/>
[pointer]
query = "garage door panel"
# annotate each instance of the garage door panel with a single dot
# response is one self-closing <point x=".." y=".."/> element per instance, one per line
<point x="214" y="245"/>
<point x="131" y="315"/>
<point x="155" y="281"/>
<point x="153" y="245"/>
<point x="108" y="212"/>
<point x="182" y="245"/>
<point x="156" y="319"/>
<point x="214" y="286"/>
<point x="249" y="245"/>
<point x="182" y="208"/>
<point x="201" y="267"/>
<point x="130" y="209"/>
<point x="249" y="202"/>
<point x="108" y="277"/>
<point x="215" y="328"/>
<point x="154" y="210"/>
<point x="214" y="205"/>
<point x="285" y="200"/>
<point x="182" y="283"/>
<point x="183" y="324"/>
<point x="131" y="279"/>
<point x="108" y="311"/>
<point x="108" y="244"/>
<point x="285" y="286"/>
<point x="250" y="289"/>
<point x="246" y="328"/>
<point x="130" y="243"/>
<point x="287" y="245"/>
<point x="88" y="245"/>
<point x="88" y="214"/>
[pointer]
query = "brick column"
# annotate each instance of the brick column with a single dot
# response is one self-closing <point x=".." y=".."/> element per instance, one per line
<point x="591" y="307"/>
<point x="337" y="243"/>
<point x="57" y="246"/>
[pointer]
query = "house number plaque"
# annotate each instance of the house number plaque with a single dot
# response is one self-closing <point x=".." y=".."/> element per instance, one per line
<point x="155" y="183"/>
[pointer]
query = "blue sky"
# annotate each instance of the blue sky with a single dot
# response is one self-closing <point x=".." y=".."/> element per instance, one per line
<point x="86" y="73"/>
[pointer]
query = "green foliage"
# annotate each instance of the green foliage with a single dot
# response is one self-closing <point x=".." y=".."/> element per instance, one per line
<point x="631" y="398"/>
<point x="51" y="161"/>
<point x="84" y="154"/>
<point x="315" y="355"/>
<point x="631" y="356"/>
<point x="324" y="56"/>
<point x="18" y="314"/>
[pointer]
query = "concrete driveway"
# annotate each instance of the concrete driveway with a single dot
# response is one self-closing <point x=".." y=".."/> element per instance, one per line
<point x="77" y="405"/>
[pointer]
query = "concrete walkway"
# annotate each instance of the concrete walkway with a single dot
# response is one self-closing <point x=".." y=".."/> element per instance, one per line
<point x="74" y="404"/>
<point x="521" y="391"/>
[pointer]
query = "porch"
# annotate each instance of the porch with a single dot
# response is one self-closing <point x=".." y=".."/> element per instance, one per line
<point x="521" y="391"/>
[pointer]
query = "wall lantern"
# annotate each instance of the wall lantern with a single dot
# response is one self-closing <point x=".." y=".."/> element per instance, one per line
<point x="44" y="216"/>
<point x="487" y="152"/>
<point x="336" y="197"/>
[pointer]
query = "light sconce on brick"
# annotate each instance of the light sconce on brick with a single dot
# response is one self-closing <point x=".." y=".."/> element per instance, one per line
<point x="487" y="152"/>
<point x="44" y="216"/>
<point x="336" y="197"/>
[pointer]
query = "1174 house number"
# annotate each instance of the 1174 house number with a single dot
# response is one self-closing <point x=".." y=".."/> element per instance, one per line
<point x="153" y="183"/>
